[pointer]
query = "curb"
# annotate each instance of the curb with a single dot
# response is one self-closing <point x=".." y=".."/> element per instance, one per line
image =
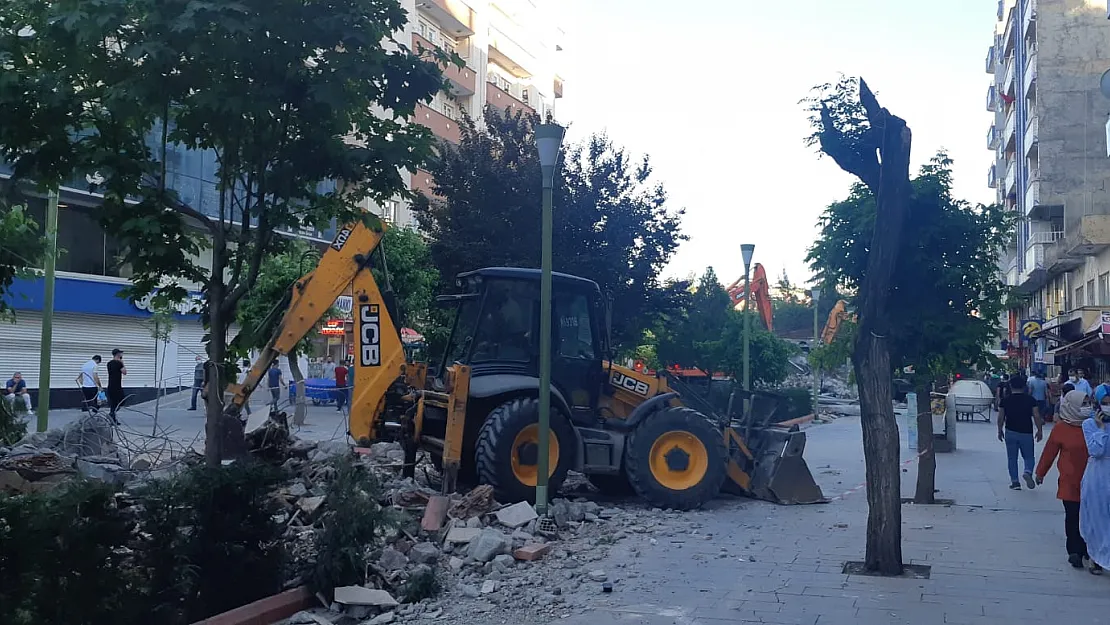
<point x="799" y="421"/>
<point x="264" y="611"/>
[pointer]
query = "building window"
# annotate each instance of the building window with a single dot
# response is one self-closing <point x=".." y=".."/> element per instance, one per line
<point x="1091" y="292"/>
<point x="82" y="246"/>
<point x="1079" y="297"/>
<point x="1104" y="289"/>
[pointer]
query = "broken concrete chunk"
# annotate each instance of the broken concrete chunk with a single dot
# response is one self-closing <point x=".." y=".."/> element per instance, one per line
<point x="326" y="450"/>
<point x="392" y="560"/>
<point x="435" y="514"/>
<point x="381" y="619"/>
<point x="469" y="591"/>
<point x="489" y="586"/>
<point x="474" y="523"/>
<point x="529" y="553"/>
<point x="516" y="515"/>
<point x="424" y="553"/>
<point x="488" y="544"/>
<point x="598" y="575"/>
<point x="360" y="595"/>
<point x="308" y="618"/>
<point x="297" y="489"/>
<point x="309" y="504"/>
<point x="456" y="564"/>
<point x="462" y="535"/>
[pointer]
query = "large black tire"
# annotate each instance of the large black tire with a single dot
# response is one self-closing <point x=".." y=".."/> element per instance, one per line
<point x="494" y="454"/>
<point x="695" y="446"/>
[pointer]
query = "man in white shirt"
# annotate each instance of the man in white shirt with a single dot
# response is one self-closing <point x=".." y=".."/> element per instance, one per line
<point x="329" y="368"/>
<point x="89" y="381"/>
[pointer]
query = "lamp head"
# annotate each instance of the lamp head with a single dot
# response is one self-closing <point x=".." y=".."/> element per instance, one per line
<point x="747" y="250"/>
<point x="815" y="293"/>
<point x="549" y="140"/>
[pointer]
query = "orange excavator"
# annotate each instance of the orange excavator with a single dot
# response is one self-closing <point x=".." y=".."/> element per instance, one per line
<point x="838" y="314"/>
<point x="761" y="294"/>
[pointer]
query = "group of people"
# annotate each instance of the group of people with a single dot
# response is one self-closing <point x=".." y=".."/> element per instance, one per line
<point x="1079" y="444"/>
<point x="92" y="387"/>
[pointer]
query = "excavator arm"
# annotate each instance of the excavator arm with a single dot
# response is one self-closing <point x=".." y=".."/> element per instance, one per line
<point x="838" y="314"/>
<point x="761" y="294"/>
<point x="379" y="357"/>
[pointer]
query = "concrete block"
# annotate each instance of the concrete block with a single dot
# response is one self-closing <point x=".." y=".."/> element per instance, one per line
<point x="435" y="514"/>
<point x="516" y="515"/>
<point x="360" y="595"/>
<point x="529" y="553"/>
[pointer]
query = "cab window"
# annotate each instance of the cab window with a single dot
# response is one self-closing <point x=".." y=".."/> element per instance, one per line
<point x="505" y="329"/>
<point x="573" y="333"/>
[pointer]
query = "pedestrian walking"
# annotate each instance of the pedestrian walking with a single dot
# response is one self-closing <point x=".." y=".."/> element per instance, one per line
<point x="1017" y="415"/>
<point x="1078" y="379"/>
<point x="198" y="381"/>
<point x="1038" y="390"/>
<point x="1067" y="442"/>
<point x="275" y="382"/>
<point x="1094" y="514"/>
<point x="89" y="381"/>
<point x="342" y="387"/>
<point x="329" y="368"/>
<point x="116" y="371"/>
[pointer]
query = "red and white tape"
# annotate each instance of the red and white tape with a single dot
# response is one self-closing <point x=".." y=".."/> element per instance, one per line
<point x="859" y="486"/>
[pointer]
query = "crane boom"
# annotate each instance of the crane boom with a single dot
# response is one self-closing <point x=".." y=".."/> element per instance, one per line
<point x="344" y="263"/>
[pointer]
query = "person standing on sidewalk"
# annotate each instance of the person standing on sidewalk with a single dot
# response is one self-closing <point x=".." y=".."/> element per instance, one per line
<point x="1038" y="390"/>
<point x="89" y="381"/>
<point x="342" y="392"/>
<point x="329" y="369"/>
<point x="116" y="371"/>
<point x="1066" y="440"/>
<point x="1094" y="515"/>
<point x="198" y="381"/>
<point x="1017" y="415"/>
<point x="274" y="380"/>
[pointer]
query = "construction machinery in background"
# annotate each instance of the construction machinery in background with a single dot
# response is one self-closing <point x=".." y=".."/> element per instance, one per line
<point x="761" y="294"/>
<point x="475" y="411"/>
<point x="837" y="315"/>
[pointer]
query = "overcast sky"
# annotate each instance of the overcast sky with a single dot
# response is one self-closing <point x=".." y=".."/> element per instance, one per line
<point x="710" y="91"/>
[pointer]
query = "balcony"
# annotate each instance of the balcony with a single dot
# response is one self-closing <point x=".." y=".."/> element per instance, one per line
<point x="992" y="99"/>
<point x="503" y="100"/>
<point x="444" y="127"/>
<point x="1030" y="80"/>
<point x="1008" y="78"/>
<point x="509" y="55"/>
<point x="422" y="182"/>
<point x="993" y="137"/>
<point x="1008" y="33"/>
<point x="1009" y="186"/>
<point x="1029" y="23"/>
<point x="1032" y="131"/>
<point x="991" y="59"/>
<point x="1008" y="131"/>
<point x="992" y="177"/>
<point x="1011" y="275"/>
<point x="1045" y="237"/>
<point x="463" y="80"/>
<point x="1033" y="197"/>
<point x="1089" y="237"/>
<point x="452" y="15"/>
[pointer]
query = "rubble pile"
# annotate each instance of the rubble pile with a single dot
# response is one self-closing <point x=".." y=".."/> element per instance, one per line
<point x="488" y="556"/>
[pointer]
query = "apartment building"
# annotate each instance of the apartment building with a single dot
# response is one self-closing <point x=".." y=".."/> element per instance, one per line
<point x="511" y="52"/>
<point x="1052" y="168"/>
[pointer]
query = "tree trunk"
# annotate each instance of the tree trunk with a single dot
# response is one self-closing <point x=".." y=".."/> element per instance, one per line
<point x="926" y="459"/>
<point x="301" y="407"/>
<point x="881" y="455"/>
<point x="217" y="353"/>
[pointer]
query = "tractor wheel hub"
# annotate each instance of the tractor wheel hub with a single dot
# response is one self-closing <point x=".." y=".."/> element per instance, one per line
<point x="677" y="459"/>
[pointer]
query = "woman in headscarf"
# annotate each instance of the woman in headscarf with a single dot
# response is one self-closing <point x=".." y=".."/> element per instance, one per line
<point x="1066" y="441"/>
<point x="1094" y="516"/>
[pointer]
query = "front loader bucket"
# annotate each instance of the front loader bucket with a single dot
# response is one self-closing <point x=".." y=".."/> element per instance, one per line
<point x="780" y="473"/>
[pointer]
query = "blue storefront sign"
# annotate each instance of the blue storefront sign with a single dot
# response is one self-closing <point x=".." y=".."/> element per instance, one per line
<point x="75" y="295"/>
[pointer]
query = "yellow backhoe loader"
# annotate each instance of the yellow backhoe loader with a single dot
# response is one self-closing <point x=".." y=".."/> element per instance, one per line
<point x="476" y="410"/>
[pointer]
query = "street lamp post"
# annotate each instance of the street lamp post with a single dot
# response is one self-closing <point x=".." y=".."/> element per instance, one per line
<point x="549" y="139"/>
<point x="747" y="250"/>
<point x="815" y="295"/>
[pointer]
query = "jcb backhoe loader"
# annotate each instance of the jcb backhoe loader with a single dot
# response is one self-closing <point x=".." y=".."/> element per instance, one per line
<point x="476" y="410"/>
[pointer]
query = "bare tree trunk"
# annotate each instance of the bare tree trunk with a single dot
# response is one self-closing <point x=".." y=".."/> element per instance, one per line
<point x="887" y="175"/>
<point x="214" y="387"/>
<point x="881" y="455"/>
<point x="301" y="407"/>
<point x="926" y="459"/>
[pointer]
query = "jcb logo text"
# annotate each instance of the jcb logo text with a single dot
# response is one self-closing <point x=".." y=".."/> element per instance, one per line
<point x="341" y="239"/>
<point x="369" y="336"/>
<point x="630" y="384"/>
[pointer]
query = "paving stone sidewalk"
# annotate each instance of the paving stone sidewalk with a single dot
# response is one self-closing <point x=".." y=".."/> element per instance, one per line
<point x="997" y="555"/>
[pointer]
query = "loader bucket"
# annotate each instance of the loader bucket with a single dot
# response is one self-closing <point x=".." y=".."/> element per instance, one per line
<point x="780" y="473"/>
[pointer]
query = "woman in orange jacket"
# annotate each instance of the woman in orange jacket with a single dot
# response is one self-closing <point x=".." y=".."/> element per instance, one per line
<point x="1067" y="442"/>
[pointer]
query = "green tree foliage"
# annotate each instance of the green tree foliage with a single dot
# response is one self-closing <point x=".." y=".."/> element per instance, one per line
<point x="22" y="247"/>
<point x="285" y="95"/>
<point x="947" y="295"/>
<point x="708" y="334"/>
<point x="413" y="277"/>
<point x="612" y="222"/>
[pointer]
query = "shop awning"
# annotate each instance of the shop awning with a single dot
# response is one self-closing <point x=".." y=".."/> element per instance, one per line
<point x="1051" y="355"/>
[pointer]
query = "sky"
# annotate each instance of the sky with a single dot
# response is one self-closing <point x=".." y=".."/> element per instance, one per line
<point x="710" y="91"/>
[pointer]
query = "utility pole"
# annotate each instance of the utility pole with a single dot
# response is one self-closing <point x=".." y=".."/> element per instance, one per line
<point x="47" y="338"/>
<point x="747" y="250"/>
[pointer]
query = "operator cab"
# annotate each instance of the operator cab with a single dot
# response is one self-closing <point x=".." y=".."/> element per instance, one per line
<point x="496" y="333"/>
